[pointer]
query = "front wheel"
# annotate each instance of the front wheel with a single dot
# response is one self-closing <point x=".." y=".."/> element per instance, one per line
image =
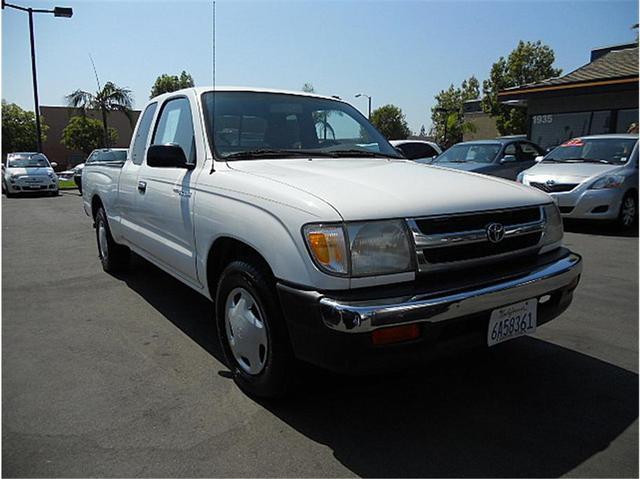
<point x="252" y="331"/>
<point x="114" y="257"/>
<point x="628" y="216"/>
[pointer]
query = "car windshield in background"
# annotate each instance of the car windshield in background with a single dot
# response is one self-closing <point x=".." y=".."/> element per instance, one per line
<point x="275" y="125"/>
<point x="477" y="153"/>
<point x="35" y="161"/>
<point x="593" y="150"/>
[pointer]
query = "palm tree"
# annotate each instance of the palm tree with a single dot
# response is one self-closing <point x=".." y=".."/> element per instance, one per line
<point x="107" y="99"/>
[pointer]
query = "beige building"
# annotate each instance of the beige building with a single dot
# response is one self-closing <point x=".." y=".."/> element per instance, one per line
<point x="484" y="127"/>
<point x="57" y="118"/>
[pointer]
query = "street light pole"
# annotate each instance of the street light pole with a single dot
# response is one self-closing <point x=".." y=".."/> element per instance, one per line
<point x="58" y="12"/>
<point x="369" y="98"/>
<point x="35" y="82"/>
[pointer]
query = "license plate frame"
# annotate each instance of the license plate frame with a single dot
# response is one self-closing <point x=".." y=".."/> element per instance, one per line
<point x="512" y="321"/>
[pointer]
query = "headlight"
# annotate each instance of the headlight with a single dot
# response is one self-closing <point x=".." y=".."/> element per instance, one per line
<point x="328" y="248"/>
<point x="553" y="231"/>
<point x="380" y="247"/>
<point x="375" y="248"/>
<point x="52" y="175"/>
<point x="12" y="178"/>
<point x="609" y="181"/>
<point x="520" y="177"/>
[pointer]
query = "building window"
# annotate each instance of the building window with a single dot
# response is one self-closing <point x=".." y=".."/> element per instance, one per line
<point x="550" y="130"/>
<point x="601" y="122"/>
<point x="626" y="118"/>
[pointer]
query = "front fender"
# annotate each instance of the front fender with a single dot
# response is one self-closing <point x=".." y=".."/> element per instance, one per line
<point x="273" y="230"/>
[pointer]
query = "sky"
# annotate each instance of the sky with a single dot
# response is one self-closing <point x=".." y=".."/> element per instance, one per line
<point x="397" y="52"/>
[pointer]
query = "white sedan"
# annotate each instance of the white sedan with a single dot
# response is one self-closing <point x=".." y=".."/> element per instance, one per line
<point x="29" y="173"/>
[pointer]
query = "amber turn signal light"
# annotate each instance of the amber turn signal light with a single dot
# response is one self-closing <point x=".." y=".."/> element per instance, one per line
<point x="395" y="334"/>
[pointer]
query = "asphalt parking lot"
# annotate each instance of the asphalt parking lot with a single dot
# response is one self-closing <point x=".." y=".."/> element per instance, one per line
<point x="106" y="376"/>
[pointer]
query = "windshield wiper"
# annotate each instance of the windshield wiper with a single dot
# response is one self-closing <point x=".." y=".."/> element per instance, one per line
<point x="576" y="160"/>
<point x="361" y="153"/>
<point x="269" y="153"/>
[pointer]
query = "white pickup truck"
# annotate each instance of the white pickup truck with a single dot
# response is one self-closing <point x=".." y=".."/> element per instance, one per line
<point x="317" y="241"/>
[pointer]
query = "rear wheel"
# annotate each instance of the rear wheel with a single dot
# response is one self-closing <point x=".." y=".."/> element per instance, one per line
<point x="628" y="216"/>
<point x="114" y="257"/>
<point x="252" y="331"/>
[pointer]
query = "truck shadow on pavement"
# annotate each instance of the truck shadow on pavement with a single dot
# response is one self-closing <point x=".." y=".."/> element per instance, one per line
<point x="526" y="408"/>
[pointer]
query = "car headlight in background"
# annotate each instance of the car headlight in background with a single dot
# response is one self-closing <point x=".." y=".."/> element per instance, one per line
<point x="375" y="248"/>
<point x="609" y="181"/>
<point x="553" y="230"/>
<point x="13" y="178"/>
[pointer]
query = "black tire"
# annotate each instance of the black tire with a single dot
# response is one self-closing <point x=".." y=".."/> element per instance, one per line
<point x="274" y="378"/>
<point x="114" y="257"/>
<point x="626" y="221"/>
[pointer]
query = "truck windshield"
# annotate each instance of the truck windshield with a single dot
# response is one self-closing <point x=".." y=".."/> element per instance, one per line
<point x="588" y="150"/>
<point x="244" y="125"/>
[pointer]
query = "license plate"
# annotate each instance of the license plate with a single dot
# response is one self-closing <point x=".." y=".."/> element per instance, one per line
<point x="512" y="321"/>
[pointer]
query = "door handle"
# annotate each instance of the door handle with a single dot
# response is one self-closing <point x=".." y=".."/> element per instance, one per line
<point x="142" y="186"/>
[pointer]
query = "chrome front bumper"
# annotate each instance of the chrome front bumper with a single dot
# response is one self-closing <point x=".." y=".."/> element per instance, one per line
<point x="364" y="316"/>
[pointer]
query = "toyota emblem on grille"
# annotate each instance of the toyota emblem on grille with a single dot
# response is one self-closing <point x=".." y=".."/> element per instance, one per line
<point x="550" y="182"/>
<point x="495" y="232"/>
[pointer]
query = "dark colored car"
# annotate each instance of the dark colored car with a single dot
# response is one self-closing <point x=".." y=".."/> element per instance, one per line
<point x="503" y="157"/>
<point x="101" y="155"/>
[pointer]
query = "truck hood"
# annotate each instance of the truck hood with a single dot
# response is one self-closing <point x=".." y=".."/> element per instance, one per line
<point x="361" y="189"/>
<point x="567" y="172"/>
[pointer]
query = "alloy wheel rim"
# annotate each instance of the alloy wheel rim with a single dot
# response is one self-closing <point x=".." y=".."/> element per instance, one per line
<point x="102" y="240"/>
<point x="628" y="211"/>
<point x="246" y="331"/>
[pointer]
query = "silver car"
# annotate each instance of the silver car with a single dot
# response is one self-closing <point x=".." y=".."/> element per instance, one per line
<point x="591" y="177"/>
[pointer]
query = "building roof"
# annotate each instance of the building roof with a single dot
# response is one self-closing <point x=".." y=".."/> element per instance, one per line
<point x="614" y="67"/>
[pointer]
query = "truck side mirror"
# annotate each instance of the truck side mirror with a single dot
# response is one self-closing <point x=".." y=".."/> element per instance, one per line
<point x="539" y="158"/>
<point x="167" y="156"/>
<point x="54" y="164"/>
<point x="508" y="159"/>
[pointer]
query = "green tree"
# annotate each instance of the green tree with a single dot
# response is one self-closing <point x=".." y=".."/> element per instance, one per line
<point x="86" y="134"/>
<point x="168" y="83"/>
<point x="390" y="121"/>
<point x="19" y="129"/>
<point x="447" y="116"/>
<point x="529" y="62"/>
<point x="107" y="99"/>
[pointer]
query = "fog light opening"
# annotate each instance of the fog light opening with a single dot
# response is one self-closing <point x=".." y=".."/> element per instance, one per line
<point x="395" y="334"/>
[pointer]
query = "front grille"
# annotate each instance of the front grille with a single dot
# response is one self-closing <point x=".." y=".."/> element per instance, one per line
<point x="477" y="221"/>
<point x="554" y="188"/>
<point x="452" y="241"/>
<point x="448" y="254"/>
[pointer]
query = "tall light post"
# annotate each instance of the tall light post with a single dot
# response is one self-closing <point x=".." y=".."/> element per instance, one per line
<point x="369" y="98"/>
<point x="57" y="12"/>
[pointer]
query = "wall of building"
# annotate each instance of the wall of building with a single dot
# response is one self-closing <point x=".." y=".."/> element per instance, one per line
<point x="484" y="127"/>
<point x="57" y="118"/>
